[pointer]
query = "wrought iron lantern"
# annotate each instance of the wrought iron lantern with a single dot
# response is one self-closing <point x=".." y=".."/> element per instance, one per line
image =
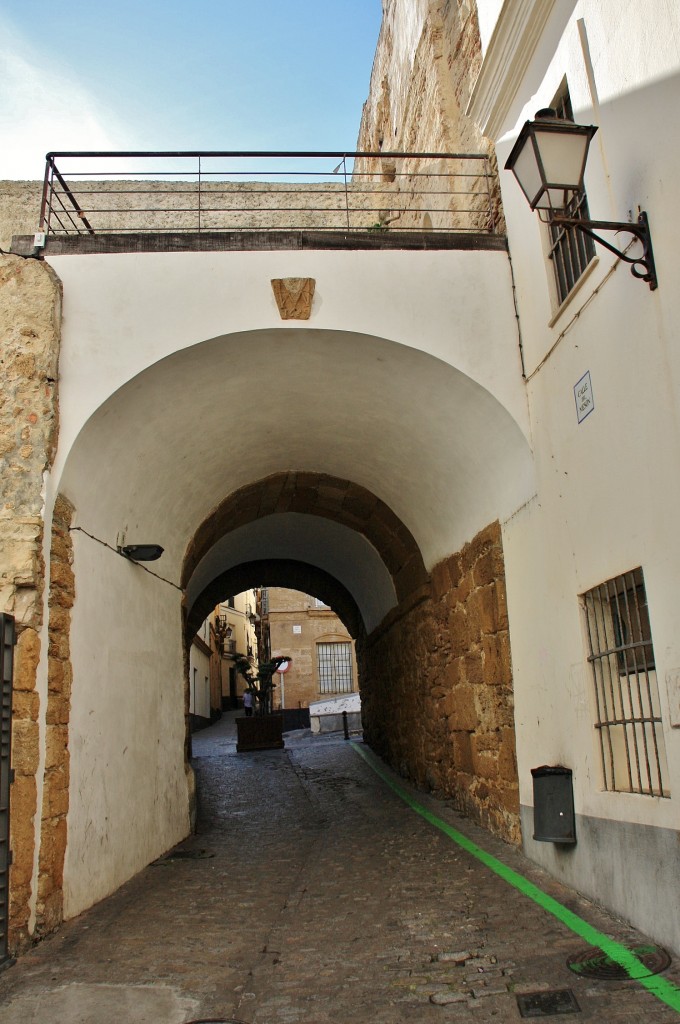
<point x="548" y="161"/>
<point x="141" y="552"/>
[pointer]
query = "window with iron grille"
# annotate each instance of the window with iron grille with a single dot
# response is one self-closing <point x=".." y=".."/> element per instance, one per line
<point x="335" y="667"/>
<point x="627" y="704"/>
<point x="570" y="250"/>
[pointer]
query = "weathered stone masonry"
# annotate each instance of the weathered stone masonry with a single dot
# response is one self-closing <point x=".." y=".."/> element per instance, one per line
<point x="437" y="700"/>
<point x="436" y="679"/>
<point x="30" y="316"/>
<point x="49" y="909"/>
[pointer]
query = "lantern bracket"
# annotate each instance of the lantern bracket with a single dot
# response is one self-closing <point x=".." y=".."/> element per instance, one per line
<point x="642" y="267"/>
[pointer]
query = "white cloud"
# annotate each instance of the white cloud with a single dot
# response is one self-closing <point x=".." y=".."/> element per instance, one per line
<point x="44" y="108"/>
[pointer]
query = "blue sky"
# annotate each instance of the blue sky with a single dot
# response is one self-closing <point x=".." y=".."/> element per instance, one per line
<point x="197" y="74"/>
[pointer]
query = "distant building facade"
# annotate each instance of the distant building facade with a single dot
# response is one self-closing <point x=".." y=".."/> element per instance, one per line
<point x="235" y="621"/>
<point x="227" y="633"/>
<point x="322" y="657"/>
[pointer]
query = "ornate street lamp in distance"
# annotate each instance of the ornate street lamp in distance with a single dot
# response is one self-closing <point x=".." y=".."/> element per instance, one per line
<point x="549" y="160"/>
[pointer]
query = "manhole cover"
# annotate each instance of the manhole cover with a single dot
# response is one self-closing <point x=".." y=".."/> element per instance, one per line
<point x="594" y="963"/>
<point x="547" y="1004"/>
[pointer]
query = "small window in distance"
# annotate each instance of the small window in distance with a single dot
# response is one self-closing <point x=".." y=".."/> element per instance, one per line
<point x="628" y="710"/>
<point x="334" y="661"/>
<point x="570" y="250"/>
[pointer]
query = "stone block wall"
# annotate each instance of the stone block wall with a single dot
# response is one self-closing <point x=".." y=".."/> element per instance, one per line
<point x="167" y="205"/>
<point x="23" y="795"/>
<point x="49" y="909"/>
<point x="289" y="609"/>
<point x="426" y="62"/>
<point x="19" y="209"/>
<point x="437" y="687"/>
<point x="30" y="312"/>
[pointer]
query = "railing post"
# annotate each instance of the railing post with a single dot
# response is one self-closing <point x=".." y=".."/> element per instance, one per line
<point x="199" y="195"/>
<point x="492" y="222"/>
<point x="44" y="224"/>
<point x="344" y="172"/>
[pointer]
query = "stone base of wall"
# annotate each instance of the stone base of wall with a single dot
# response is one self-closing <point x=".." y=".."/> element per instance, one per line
<point x="23" y="796"/>
<point x="437" y="687"/>
<point x="49" y="909"/>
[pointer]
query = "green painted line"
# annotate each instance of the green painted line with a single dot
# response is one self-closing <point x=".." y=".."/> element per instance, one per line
<point x="662" y="988"/>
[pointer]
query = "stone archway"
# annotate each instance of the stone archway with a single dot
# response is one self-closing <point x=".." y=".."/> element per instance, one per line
<point x="308" y="579"/>
<point x="435" y="671"/>
<point x="436" y="456"/>
<point x="317" y="494"/>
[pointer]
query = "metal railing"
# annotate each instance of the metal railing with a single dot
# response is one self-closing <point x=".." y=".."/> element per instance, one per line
<point x="97" y="193"/>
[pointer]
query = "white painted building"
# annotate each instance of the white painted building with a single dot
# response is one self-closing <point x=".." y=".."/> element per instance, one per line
<point x="607" y="473"/>
<point x="199" y="673"/>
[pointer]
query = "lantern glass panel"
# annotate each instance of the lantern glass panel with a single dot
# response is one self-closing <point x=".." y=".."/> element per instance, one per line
<point x="563" y="155"/>
<point x="527" y="172"/>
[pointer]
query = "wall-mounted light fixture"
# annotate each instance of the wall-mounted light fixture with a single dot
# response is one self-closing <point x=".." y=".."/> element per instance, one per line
<point x="141" y="552"/>
<point x="549" y="160"/>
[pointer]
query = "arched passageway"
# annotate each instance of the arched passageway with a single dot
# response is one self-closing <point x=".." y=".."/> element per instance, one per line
<point x="308" y="579"/>
<point x="378" y="485"/>
<point x="340" y="527"/>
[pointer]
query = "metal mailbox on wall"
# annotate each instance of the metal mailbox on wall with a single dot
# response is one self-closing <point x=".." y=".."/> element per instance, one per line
<point x="553" y="805"/>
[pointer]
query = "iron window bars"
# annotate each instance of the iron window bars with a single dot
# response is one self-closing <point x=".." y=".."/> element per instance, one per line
<point x="570" y="250"/>
<point x="335" y="667"/>
<point x="628" y="711"/>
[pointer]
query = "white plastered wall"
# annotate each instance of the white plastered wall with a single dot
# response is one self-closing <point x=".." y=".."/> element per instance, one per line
<point x="199" y="676"/>
<point x="128" y="798"/>
<point x="607" y="488"/>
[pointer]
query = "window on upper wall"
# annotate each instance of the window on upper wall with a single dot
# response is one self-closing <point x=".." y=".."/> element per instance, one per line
<point x="570" y="250"/>
<point x="334" y="662"/>
<point x="628" y="721"/>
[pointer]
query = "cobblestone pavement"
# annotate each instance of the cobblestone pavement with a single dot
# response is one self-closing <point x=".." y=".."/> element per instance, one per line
<point x="315" y="895"/>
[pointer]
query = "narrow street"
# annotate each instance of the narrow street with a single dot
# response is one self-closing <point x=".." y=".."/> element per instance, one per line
<point x="313" y="893"/>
